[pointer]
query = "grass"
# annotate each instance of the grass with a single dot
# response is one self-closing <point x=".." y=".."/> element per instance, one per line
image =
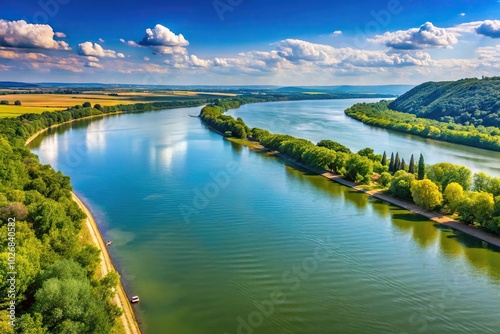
<point x="244" y="142"/>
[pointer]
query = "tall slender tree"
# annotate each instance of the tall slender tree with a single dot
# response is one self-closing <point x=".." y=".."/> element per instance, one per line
<point x="391" y="163"/>
<point x="403" y="165"/>
<point x="421" y="167"/>
<point x="384" y="159"/>
<point x="397" y="162"/>
<point x="411" y="167"/>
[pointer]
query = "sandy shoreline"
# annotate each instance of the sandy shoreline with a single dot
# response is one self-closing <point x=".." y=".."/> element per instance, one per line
<point x="121" y="299"/>
<point x="128" y="318"/>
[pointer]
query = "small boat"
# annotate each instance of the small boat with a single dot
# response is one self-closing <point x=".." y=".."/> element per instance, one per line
<point x="134" y="299"/>
<point x="109" y="242"/>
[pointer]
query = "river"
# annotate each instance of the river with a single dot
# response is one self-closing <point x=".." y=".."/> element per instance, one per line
<point x="216" y="238"/>
<point x="325" y="119"/>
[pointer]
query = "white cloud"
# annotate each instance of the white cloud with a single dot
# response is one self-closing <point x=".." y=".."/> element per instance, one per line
<point x="490" y="28"/>
<point x="59" y="34"/>
<point x="94" y="49"/>
<point x="462" y="14"/>
<point x="101" y="40"/>
<point x="20" y="34"/>
<point x="426" y="36"/>
<point x="337" y="33"/>
<point x="146" y="58"/>
<point x="200" y="62"/>
<point x="122" y="40"/>
<point x="162" y="36"/>
<point x="93" y="65"/>
<point x="132" y="44"/>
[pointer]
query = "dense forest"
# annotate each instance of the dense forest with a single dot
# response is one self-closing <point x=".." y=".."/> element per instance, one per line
<point x="467" y="101"/>
<point x="378" y="114"/>
<point x="445" y="187"/>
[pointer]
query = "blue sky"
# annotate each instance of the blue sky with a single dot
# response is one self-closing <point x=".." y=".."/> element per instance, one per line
<point x="248" y="41"/>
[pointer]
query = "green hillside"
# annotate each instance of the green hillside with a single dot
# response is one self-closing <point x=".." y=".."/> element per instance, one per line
<point x="467" y="101"/>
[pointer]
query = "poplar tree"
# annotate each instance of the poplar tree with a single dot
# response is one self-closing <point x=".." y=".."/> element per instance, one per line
<point x="397" y="162"/>
<point x="384" y="159"/>
<point x="391" y="163"/>
<point x="421" y="167"/>
<point x="411" y="167"/>
<point x="403" y="165"/>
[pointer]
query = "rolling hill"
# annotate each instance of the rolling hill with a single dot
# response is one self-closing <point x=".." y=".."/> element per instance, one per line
<point x="466" y="101"/>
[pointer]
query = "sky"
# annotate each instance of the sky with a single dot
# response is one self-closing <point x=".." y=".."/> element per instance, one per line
<point x="248" y="42"/>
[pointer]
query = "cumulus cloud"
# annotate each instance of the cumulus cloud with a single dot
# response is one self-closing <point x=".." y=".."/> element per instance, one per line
<point x="162" y="36"/>
<point x="122" y="40"/>
<point x="462" y="14"/>
<point x="94" y="49"/>
<point x="337" y="33"/>
<point x="200" y="62"/>
<point x="100" y="40"/>
<point x="424" y="37"/>
<point x="490" y="28"/>
<point x="59" y="34"/>
<point x="20" y="34"/>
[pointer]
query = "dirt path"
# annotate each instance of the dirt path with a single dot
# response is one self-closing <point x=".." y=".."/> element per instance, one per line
<point x="128" y="318"/>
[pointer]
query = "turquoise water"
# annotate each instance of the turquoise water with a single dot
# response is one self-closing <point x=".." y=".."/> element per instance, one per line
<point x="216" y="238"/>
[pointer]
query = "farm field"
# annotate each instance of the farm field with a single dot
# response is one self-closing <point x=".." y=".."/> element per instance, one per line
<point x="38" y="103"/>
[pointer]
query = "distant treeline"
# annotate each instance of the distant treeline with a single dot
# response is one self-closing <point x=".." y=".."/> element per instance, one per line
<point x="378" y="114"/>
<point x="443" y="186"/>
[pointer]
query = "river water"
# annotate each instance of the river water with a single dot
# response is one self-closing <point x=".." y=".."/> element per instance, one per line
<point x="325" y="119"/>
<point x="216" y="238"/>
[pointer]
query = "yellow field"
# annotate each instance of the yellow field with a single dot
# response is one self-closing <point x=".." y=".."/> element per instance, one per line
<point x="13" y="111"/>
<point x="38" y="103"/>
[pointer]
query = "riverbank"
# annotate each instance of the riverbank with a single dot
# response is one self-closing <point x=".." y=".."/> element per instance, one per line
<point x="128" y="319"/>
<point x="33" y="136"/>
<point x="381" y="195"/>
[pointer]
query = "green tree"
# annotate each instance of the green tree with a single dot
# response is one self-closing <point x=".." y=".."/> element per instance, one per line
<point x="397" y="162"/>
<point x="411" y="167"/>
<point x="421" y="167"/>
<point x="384" y="159"/>
<point x="480" y="181"/>
<point x="391" y="163"/>
<point x="86" y="104"/>
<point x="401" y="184"/>
<point x="333" y="145"/>
<point x="444" y="173"/>
<point x="426" y="194"/>
<point x="359" y="168"/>
<point x="453" y="195"/>
<point x="385" y="179"/>
<point x="17" y="103"/>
